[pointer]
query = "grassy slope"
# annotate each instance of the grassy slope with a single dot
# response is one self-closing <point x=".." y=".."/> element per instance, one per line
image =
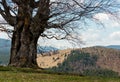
<point x="8" y="74"/>
<point x="107" y="58"/>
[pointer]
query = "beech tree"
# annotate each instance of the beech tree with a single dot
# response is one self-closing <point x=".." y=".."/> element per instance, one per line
<point x="32" y="19"/>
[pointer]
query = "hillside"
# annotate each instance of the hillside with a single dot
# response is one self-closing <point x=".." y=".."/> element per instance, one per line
<point x="51" y="59"/>
<point x="108" y="58"/>
<point x="87" y="58"/>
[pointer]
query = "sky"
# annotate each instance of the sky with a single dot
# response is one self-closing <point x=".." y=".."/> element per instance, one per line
<point x="107" y="35"/>
<point x="92" y="35"/>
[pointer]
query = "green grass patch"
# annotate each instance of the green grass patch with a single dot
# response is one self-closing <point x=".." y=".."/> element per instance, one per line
<point x="11" y="74"/>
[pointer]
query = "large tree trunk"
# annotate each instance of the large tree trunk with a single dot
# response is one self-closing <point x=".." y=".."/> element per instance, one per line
<point x="24" y="49"/>
<point x="24" y="40"/>
<point x="27" y="30"/>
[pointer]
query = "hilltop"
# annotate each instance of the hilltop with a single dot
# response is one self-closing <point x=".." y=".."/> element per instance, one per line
<point x="87" y="58"/>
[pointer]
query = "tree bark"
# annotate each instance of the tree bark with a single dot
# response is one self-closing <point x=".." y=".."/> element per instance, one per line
<point x="24" y="40"/>
<point x="24" y="49"/>
<point x="27" y="30"/>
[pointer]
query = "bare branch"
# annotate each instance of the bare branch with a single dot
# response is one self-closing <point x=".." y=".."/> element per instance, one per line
<point x="6" y="30"/>
<point x="5" y="12"/>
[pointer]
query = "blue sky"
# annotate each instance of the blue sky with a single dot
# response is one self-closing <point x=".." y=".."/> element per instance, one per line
<point x="91" y="35"/>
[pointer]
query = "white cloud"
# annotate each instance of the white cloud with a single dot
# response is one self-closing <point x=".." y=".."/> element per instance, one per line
<point x="98" y="37"/>
<point x="52" y="0"/>
<point x="81" y="1"/>
<point x="118" y="0"/>
<point x="115" y="36"/>
<point x="91" y="35"/>
<point x="115" y="24"/>
<point x="107" y="20"/>
<point x="3" y="35"/>
<point x="102" y="16"/>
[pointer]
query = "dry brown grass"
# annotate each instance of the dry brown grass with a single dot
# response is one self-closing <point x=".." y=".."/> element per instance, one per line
<point x="48" y="61"/>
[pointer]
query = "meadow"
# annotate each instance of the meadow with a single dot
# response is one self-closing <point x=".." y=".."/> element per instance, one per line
<point x="10" y="74"/>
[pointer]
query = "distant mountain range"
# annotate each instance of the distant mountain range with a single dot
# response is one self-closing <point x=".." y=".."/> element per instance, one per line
<point x="110" y="46"/>
<point x="5" y="46"/>
<point x="113" y="46"/>
<point x="4" y="51"/>
<point x="44" y="49"/>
